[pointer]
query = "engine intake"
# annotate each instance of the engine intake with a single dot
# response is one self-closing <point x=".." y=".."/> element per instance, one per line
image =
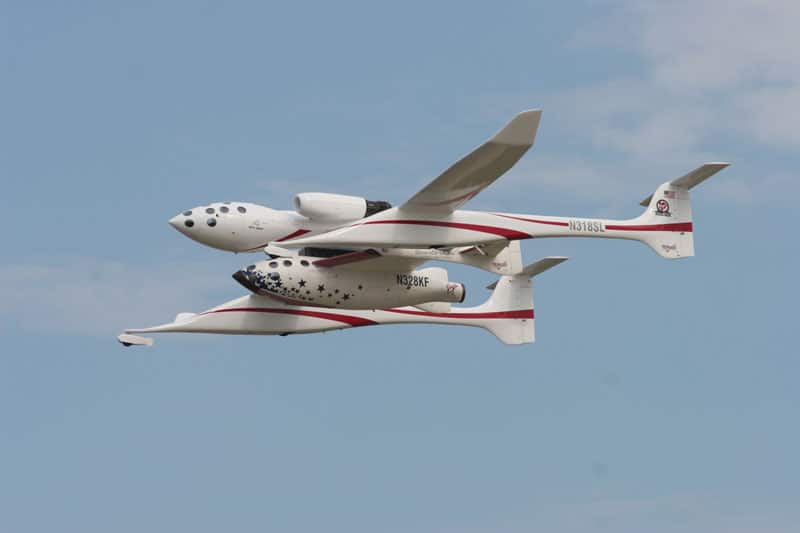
<point x="327" y="207"/>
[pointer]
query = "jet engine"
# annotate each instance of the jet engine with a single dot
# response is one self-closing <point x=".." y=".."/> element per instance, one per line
<point x="327" y="207"/>
<point x="298" y="281"/>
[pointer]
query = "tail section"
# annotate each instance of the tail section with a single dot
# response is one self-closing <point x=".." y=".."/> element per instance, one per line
<point x="666" y="224"/>
<point x="511" y="304"/>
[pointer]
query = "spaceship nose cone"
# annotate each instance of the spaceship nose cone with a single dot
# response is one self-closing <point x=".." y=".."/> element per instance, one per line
<point x="244" y="278"/>
<point x="175" y="222"/>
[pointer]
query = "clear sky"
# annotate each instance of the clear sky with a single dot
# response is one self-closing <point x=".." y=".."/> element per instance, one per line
<point x="660" y="396"/>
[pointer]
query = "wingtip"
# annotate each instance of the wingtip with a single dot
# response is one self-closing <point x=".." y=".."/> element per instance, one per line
<point x="127" y="339"/>
<point x="521" y="130"/>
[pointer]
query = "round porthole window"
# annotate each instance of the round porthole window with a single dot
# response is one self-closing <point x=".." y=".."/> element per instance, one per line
<point x="211" y="222"/>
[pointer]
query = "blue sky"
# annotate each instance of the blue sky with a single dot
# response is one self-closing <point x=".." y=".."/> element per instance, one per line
<point x="659" y="395"/>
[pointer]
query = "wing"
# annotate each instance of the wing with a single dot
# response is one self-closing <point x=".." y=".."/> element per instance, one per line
<point x="455" y="186"/>
<point x="500" y="258"/>
<point x="478" y="169"/>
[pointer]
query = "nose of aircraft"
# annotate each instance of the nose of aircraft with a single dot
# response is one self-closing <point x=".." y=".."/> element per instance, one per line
<point x="221" y="225"/>
<point x="246" y="280"/>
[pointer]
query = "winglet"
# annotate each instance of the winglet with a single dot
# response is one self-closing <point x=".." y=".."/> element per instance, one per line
<point x="693" y="178"/>
<point x="521" y="130"/>
<point x="134" y="340"/>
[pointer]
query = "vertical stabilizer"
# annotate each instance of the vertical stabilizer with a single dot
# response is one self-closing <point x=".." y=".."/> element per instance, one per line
<point x="513" y="296"/>
<point x="666" y="224"/>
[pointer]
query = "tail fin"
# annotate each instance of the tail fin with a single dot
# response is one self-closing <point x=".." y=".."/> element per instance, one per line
<point x="511" y="303"/>
<point x="666" y="224"/>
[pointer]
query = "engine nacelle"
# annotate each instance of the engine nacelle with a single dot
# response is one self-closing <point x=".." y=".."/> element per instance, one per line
<point x="327" y="207"/>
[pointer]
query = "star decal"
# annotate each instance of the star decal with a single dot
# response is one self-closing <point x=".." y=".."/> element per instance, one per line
<point x="320" y="288"/>
<point x="361" y="287"/>
<point x="346" y="296"/>
<point x="302" y="283"/>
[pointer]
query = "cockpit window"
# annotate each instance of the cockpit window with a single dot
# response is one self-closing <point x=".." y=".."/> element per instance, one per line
<point x="287" y="263"/>
<point x="224" y="209"/>
<point x="187" y="213"/>
<point x="251" y="268"/>
<point x="211" y="222"/>
<point x="210" y="210"/>
<point x="273" y="264"/>
<point x="304" y="262"/>
<point x="241" y="209"/>
<point x="188" y="223"/>
<point x="274" y="276"/>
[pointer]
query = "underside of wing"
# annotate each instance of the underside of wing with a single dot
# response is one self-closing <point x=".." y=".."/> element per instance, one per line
<point x="370" y="260"/>
<point x="478" y="169"/>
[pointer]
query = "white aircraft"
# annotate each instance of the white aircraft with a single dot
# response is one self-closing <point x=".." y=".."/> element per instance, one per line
<point x="359" y="255"/>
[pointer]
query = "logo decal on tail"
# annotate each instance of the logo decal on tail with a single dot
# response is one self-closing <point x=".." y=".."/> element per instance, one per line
<point x="662" y="208"/>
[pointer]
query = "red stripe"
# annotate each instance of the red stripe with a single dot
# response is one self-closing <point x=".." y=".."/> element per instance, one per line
<point x="354" y="321"/>
<point x="293" y="235"/>
<point x="257" y="247"/>
<point x="290" y="236"/>
<point x="675" y="226"/>
<point x="550" y="222"/>
<point x="522" y="313"/>
<point x="503" y="232"/>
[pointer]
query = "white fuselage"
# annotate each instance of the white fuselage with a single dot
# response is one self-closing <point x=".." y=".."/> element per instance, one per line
<point x="298" y="281"/>
<point x="462" y="228"/>
<point x="243" y="227"/>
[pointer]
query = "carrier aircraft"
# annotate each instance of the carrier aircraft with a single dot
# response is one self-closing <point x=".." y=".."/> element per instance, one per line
<point x="339" y="261"/>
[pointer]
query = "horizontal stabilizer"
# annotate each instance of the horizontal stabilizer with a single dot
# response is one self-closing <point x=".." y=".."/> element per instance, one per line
<point x="692" y="179"/>
<point x="534" y="269"/>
